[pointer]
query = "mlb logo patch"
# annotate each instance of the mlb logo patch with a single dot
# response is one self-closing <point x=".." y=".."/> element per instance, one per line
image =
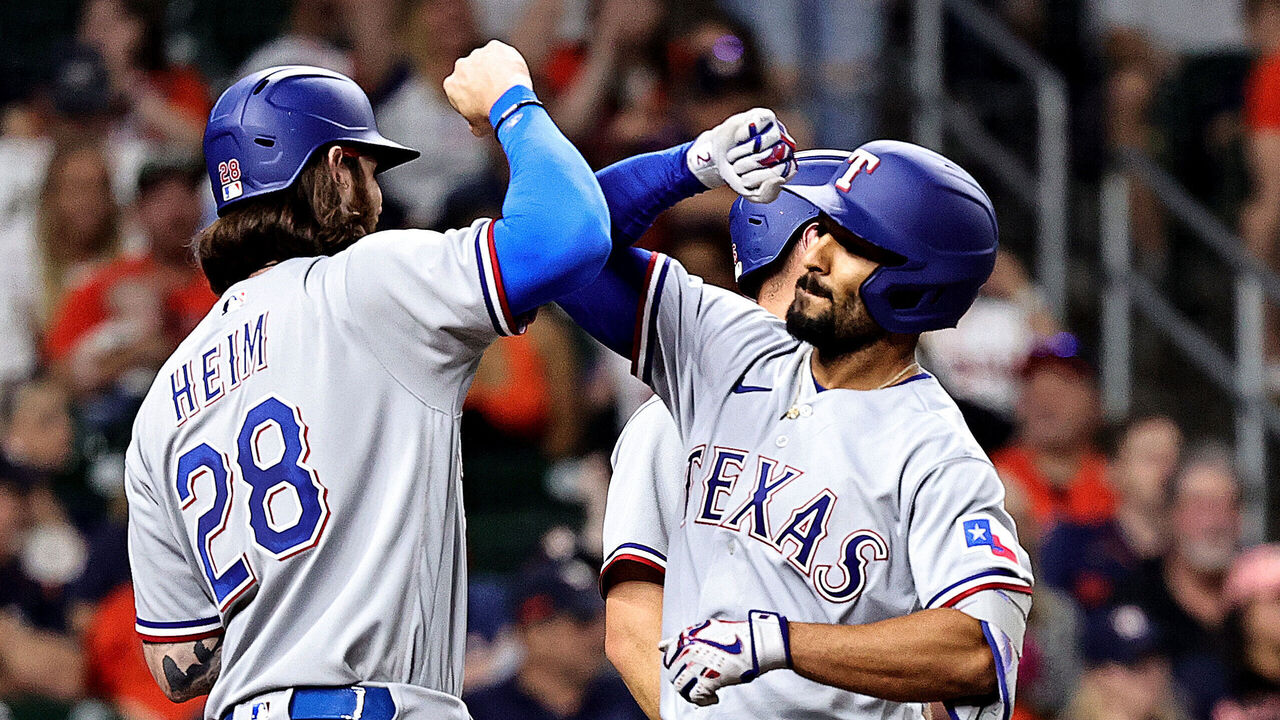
<point x="232" y="190"/>
<point x="233" y="303"/>
<point x="978" y="534"/>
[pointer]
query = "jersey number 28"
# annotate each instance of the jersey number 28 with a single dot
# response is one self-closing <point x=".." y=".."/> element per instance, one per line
<point x="283" y="470"/>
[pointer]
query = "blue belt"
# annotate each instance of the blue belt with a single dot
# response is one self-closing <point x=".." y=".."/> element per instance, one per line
<point x="347" y="703"/>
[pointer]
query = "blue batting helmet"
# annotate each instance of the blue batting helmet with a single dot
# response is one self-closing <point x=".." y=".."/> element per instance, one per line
<point x="265" y="128"/>
<point x="922" y="207"/>
<point x="760" y="232"/>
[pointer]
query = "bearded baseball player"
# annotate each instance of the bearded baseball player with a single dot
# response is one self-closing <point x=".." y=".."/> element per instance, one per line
<point x="295" y="505"/>
<point x="646" y="492"/>
<point x="841" y="547"/>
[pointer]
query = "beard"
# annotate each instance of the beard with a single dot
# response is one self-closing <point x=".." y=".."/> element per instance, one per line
<point x="839" y="326"/>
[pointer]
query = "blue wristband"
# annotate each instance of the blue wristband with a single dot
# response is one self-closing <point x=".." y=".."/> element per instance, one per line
<point x="511" y="100"/>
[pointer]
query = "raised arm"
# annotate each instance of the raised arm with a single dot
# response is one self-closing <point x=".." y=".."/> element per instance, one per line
<point x="553" y="236"/>
<point x="750" y="152"/>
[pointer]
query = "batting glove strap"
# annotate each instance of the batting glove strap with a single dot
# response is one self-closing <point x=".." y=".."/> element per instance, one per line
<point x="770" y="640"/>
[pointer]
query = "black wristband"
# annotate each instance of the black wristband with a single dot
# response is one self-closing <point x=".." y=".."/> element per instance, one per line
<point x="512" y="110"/>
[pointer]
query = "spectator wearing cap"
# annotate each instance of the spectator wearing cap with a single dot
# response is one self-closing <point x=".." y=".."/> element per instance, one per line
<point x="1128" y="673"/>
<point x="1252" y="591"/>
<point x="124" y="320"/>
<point x="1183" y="591"/>
<point x="1054" y="466"/>
<point x="1093" y="561"/>
<point x="560" y="622"/>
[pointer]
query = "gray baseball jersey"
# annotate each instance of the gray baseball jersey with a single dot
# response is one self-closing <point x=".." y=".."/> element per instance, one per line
<point x="829" y="506"/>
<point x="646" y="491"/>
<point x="294" y="479"/>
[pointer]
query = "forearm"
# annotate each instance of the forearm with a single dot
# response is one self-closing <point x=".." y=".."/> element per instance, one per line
<point x="639" y="188"/>
<point x="925" y="656"/>
<point x="633" y="627"/>
<point x="553" y="236"/>
<point x="185" y="670"/>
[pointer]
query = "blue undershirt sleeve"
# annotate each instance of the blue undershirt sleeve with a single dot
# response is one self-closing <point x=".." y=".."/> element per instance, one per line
<point x="553" y="236"/>
<point x="637" y="190"/>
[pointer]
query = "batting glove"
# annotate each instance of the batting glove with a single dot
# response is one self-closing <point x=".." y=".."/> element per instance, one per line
<point x="750" y="152"/>
<point x="718" y="653"/>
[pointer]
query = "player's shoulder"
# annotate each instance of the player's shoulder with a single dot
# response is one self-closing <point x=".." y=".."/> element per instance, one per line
<point x="930" y="424"/>
<point x="650" y="426"/>
<point x="407" y="239"/>
<point x="651" y="415"/>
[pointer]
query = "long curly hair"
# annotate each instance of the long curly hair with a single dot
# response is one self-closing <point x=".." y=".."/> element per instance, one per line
<point x="304" y="220"/>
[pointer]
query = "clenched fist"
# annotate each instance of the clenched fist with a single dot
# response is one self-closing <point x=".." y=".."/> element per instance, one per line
<point x="479" y="79"/>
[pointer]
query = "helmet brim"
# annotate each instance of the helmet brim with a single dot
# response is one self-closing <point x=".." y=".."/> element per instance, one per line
<point x="387" y="153"/>
<point x="825" y="197"/>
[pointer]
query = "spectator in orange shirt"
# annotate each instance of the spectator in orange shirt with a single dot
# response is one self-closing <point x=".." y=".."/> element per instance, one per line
<point x="127" y="317"/>
<point x="1053" y="464"/>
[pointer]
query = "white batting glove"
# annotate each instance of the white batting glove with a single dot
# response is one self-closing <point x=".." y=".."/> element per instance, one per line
<point x="718" y="653"/>
<point x="750" y="152"/>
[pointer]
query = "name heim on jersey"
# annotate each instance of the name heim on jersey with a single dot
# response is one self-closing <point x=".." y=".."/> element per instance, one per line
<point x="215" y="371"/>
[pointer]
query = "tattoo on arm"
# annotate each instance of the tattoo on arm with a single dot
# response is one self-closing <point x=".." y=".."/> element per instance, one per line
<point x="202" y="661"/>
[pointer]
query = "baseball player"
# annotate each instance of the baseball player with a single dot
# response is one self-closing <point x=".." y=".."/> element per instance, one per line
<point x="295" y="501"/>
<point x="842" y="549"/>
<point x="646" y="492"/>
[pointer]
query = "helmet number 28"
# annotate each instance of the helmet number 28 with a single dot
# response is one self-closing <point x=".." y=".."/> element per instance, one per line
<point x="229" y="171"/>
<point x="288" y="507"/>
<point x="858" y="160"/>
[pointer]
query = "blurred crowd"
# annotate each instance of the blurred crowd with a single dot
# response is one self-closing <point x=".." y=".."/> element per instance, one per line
<point x="1147" y="605"/>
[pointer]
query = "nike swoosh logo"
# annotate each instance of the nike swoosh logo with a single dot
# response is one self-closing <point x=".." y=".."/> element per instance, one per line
<point x="740" y="389"/>
<point x="733" y="649"/>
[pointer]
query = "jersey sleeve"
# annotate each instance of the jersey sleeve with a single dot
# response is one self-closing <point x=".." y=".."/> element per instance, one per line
<point x="173" y="603"/>
<point x="427" y="304"/>
<point x="645" y="493"/>
<point x="684" y="337"/>
<point x="964" y="554"/>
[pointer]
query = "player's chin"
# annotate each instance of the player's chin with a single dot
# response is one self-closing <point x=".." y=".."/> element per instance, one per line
<point x="808" y="323"/>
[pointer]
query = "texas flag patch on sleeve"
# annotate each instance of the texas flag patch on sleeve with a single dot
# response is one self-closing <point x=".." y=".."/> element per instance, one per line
<point x="980" y="532"/>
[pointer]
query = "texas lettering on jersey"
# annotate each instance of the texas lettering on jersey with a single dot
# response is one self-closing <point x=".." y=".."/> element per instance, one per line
<point x="796" y="531"/>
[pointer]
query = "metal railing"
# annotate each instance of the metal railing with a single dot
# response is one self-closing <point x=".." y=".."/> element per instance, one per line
<point x="1126" y="291"/>
<point x="1043" y="188"/>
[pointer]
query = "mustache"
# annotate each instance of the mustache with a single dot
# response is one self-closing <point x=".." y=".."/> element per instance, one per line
<point x="809" y="283"/>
